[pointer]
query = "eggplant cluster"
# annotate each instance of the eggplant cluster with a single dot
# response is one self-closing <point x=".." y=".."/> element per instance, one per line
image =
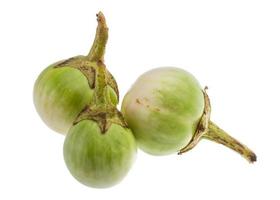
<point x="78" y="97"/>
<point x="166" y="111"/>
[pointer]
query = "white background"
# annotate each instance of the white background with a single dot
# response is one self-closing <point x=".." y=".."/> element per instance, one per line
<point x="233" y="47"/>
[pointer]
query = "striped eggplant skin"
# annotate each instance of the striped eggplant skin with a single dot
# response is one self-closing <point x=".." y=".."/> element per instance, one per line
<point x="163" y="109"/>
<point x="96" y="159"/>
<point x="59" y="96"/>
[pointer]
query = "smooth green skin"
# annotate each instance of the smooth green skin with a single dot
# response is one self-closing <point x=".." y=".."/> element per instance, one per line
<point x="99" y="160"/>
<point x="163" y="109"/>
<point x="60" y="94"/>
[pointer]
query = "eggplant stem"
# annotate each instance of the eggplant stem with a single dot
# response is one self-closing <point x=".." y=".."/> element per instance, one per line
<point x="101" y="82"/>
<point x="218" y="135"/>
<point x="97" y="50"/>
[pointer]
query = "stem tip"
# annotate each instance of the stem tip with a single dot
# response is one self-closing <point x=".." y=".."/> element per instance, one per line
<point x="100" y="18"/>
<point x="97" y="50"/>
<point x="253" y="157"/>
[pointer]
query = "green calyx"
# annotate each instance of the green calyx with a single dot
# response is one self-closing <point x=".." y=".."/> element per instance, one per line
<point x="89" y="69"/>
<point x="202" y="126"/>
<point x="80" y="63"/>
<point x="105" y="116"/>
